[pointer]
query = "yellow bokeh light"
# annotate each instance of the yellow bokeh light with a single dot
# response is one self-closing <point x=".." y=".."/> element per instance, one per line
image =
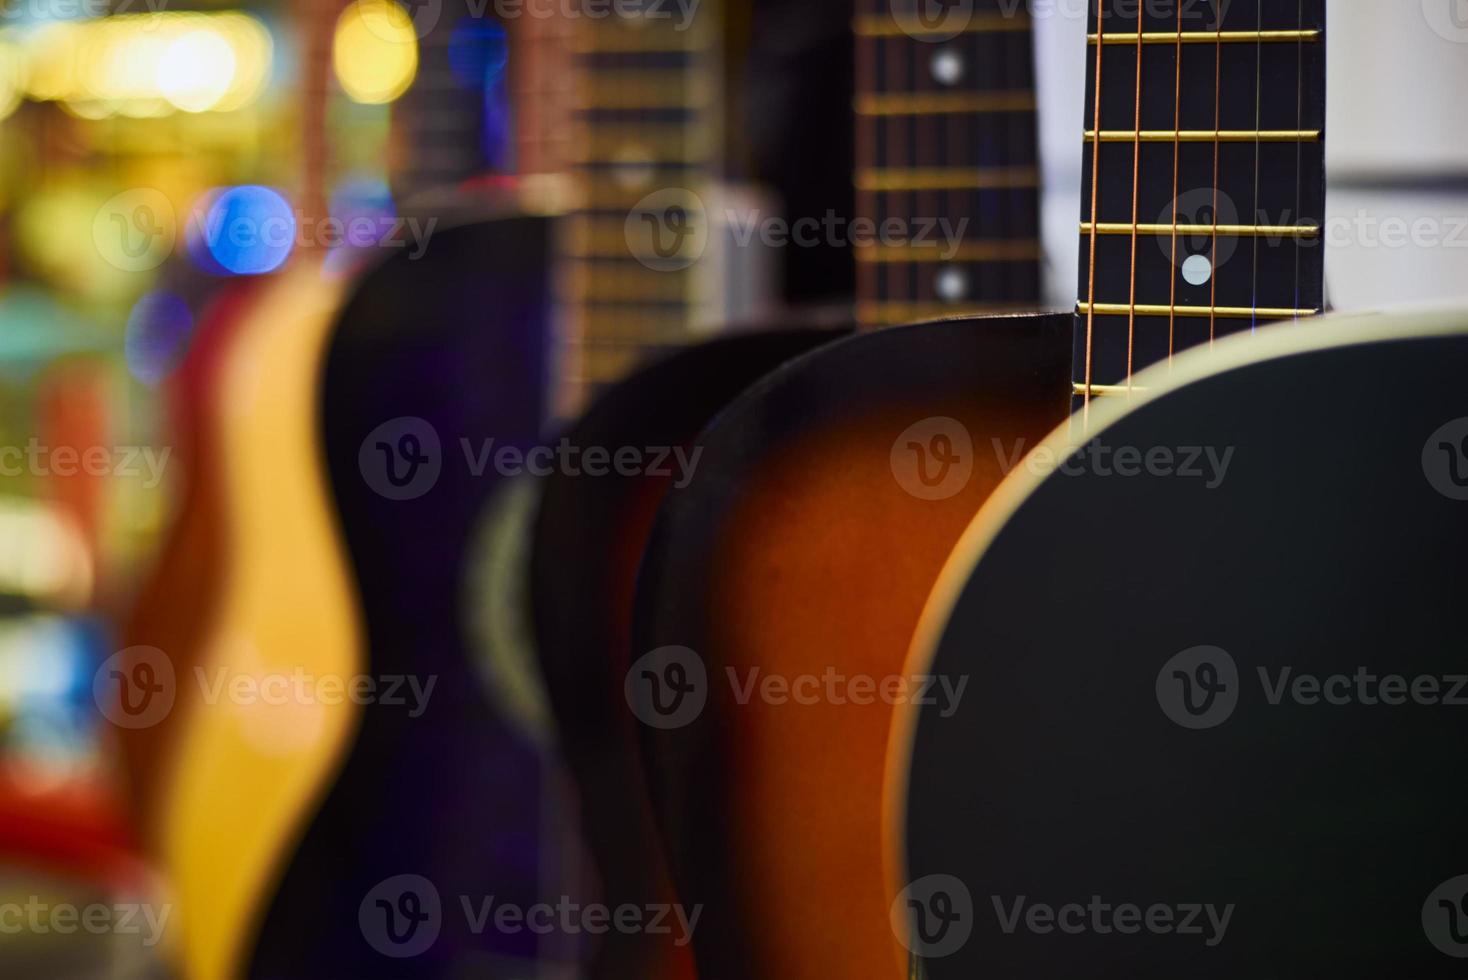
<point x="375" y="52"/>
<point x="51" y="53"/>
<point x="148" y="65"/>
<point x="10" y="78"/>
<point x="196" y="71"/>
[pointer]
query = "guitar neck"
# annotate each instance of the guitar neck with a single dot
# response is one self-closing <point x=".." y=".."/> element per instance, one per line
<point x="1203" y="194"/>
<point x="946" y="160"/>
<point x="645" y="140"/>
<point x="544" y="91"/>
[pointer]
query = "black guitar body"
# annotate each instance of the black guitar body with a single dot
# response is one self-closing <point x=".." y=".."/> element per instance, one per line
<point x="458" y="342"/>
<point x="587" y="543"/>
<point x="1240" y="687"/>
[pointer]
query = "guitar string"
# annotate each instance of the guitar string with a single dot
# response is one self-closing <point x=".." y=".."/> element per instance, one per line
<point x="1177" y="121"/>
<point x="1131" y="325"/>
<point x="1095" y="199"/>
<point x="1217" y="124"/>
<point x="1258" y="218"/>
<point x="1300" y="146"/>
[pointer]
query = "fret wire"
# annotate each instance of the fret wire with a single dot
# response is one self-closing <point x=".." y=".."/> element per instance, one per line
<point x="1227" y="312"/>
<point x="883" y="25"/>
<point x="1209" y="37"/>
<point x="938" y="103"/>
<point x="1004" y="250"/>
<point x="1207" y="136"/>
<point x="1104" y="391"/>
<point x="941" y="178"/>
<point x="1280" y="231"/>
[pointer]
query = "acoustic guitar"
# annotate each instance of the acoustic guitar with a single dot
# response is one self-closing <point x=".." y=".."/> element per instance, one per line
<point x="644" y="287"/>
<point x="1139" y="642"/>
<point x="828" y="496"/>
<point x="1235" y="738"/>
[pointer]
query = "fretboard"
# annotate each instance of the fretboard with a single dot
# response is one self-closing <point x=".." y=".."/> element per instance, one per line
<point x="946" y="159"/>
<point x="645" y="141"/>
<point x="1205" y="146"/>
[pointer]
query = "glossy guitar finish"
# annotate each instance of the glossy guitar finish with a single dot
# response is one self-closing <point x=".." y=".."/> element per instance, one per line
<point x="1129" y="730"/>
<point x="587" y="543"/>
<point x="435" y="786"/>
<point x="259" y="546"/>
<point x="807" y="543"/>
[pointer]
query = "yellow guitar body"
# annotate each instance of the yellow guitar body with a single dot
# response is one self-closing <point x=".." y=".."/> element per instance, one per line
<point x="262" y="722"/>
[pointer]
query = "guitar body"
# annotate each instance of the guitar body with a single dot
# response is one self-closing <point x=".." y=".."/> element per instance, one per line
<point x="257" y="550"/>
<point x="587" y="542"/>
<point x="806" y="544"/>
<point x="1141" y="721"/>
<point x="428" y="359"/>
<point x="177" y="598"/>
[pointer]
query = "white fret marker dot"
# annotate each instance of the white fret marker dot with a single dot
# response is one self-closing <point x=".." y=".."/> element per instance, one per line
<point x="1197" y="270"/>
<point x="951" y="284"/>
<point x="947" y="67"/>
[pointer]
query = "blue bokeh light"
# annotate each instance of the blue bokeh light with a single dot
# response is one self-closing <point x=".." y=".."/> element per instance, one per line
<point x="158" y="332"/>
<point x="242" y="231"/>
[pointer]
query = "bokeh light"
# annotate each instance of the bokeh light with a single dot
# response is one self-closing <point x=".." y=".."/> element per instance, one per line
<point x="196" y="71"/>
<point x="10" y="78"/>
<point x="242" y="231"/>
<point x="158" y="332"/>
<point x="375" y="51"/>
<point x="478" y="53"/>
<point x="146" y="65"/>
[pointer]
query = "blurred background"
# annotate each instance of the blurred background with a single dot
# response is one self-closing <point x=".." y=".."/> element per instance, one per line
<point x="131" y="131"/>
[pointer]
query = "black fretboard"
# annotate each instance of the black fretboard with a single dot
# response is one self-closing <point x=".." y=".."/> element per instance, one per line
<point x="1209" y="182"/>
<point x="945" y="115"/>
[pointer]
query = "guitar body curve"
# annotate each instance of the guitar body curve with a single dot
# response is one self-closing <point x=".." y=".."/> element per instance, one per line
<point x="429" y="358"/>
<point x="1166" y="693"/>
<point x="587" y="542"/>
<point x="259" y="549"/>
<point x="828" y="497"/>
